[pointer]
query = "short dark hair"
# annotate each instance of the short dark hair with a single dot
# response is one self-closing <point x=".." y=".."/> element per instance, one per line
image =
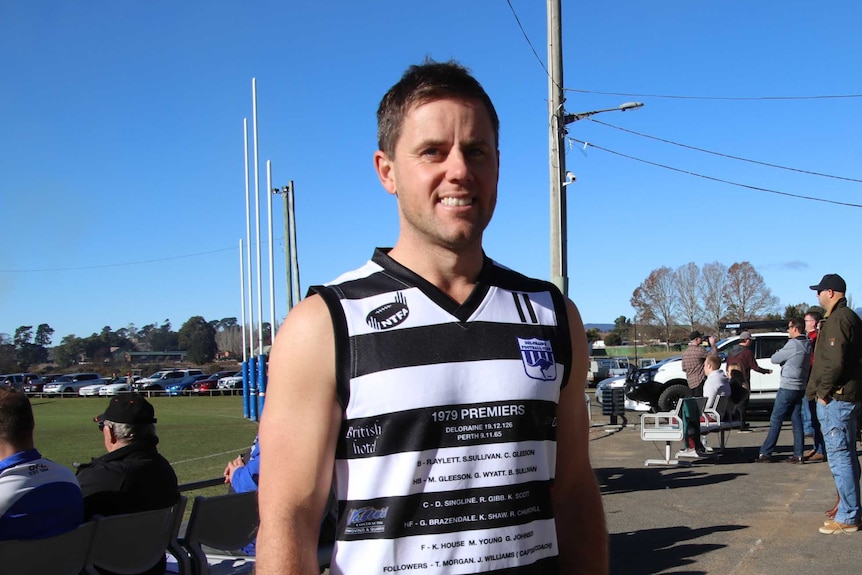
<point x="798" y="323"/>
<point x="816" y="315"/>
<point x="16" y="416"/>
<point x="423" y="83"/>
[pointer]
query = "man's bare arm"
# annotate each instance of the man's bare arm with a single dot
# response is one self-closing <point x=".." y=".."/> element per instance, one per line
<point x="297" y="442"/>
<point x="580" y="517"/>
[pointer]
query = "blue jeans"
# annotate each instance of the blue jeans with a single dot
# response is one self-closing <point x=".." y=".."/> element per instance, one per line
<point x="808" y="414"/>
<point x="787" y="402"/>
<point x="811" y="424"/>
<point x="838" y="422"/>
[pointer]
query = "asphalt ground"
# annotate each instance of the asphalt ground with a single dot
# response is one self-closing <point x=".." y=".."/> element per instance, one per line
<point x="723" y="515"/>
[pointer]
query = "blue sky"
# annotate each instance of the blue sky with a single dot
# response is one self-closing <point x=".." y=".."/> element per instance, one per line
<point x="121" y="156"/>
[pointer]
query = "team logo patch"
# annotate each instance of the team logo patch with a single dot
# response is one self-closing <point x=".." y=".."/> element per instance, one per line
<point x="538" y="358"/>
<point x="389" y="314"/>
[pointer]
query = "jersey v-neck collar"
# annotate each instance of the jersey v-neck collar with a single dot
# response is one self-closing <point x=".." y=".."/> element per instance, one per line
<point x="463" y="311"/>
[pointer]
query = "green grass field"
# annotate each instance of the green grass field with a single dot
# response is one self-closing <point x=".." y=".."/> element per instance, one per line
<point x="198" y="435"/>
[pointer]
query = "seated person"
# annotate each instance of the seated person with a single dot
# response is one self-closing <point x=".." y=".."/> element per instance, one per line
<point x="132" y="476"/>
<point x="38" y="498"/>
<point x="242" y="474"/>
<point x="717" y="383"/>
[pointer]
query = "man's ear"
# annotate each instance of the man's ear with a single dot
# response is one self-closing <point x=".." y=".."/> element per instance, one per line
<point x="385" y="169"/>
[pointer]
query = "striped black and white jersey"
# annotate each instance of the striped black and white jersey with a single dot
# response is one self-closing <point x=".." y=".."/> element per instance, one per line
<point x="446" y="455"/>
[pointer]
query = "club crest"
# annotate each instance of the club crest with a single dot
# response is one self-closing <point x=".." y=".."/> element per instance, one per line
<point x="538" y="358"/>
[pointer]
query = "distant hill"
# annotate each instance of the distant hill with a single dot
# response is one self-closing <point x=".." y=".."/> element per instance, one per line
<point x="602" y="327"/>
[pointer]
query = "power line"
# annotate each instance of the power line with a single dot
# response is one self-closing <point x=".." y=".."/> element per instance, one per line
<point x="824" y="97"/>
<point x="723" y="155"/>
<point x="755" y="188"/>
<point x="117" y="265"/>
<point x="527" y="38"/>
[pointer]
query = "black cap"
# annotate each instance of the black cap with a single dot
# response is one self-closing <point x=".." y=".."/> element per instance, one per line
<point x="831" y="281"/>
<point x="129" y="408"/>
<point x="694" y="335"/>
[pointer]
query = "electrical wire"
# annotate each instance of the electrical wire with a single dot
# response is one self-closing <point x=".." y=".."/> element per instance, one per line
<point x="711" y="178"/>
<point x="801" y="171"/>
<point x="123" y="264"/>
<point x="527" y="38"/>
<point x="824" y="97"/>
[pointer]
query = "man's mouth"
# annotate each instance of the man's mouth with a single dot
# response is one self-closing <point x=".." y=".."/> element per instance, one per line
<point x="457" y="201"/>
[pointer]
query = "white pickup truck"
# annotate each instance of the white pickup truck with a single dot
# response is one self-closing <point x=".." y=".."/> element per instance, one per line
<point x="663" y="384"/>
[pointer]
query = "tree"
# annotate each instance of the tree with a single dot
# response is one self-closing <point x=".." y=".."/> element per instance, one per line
<point x="655" y="299"/>
<point x="162" y="338"/>
<point x="688" y="278"/>
<point x="197" y="337"/>
<point x="593" y="334"/>
<point x="713" y="293"/>
<point x="67" y="352"/>
<point x="23" y="335"/>
<point x="613" y="339"/>
<point x="622" y="328"/>
<point x="748" y="298"/>
<point x="796" y="310"/>
<point x="43" y="335"/>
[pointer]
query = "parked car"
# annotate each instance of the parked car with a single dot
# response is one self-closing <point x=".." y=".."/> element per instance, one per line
<point x="185" y="385"/>
<point x="619" y="382"/>
<point x="19" y="380"/>
<point x="161" y="379"/>
<point x="72" y="382"/>
<point x="116" y="387"/>
<point x="230" y="382"/>
<point x="604" y="367"/>
<point x="91" y="390"/>
<point x="663" y="384"/>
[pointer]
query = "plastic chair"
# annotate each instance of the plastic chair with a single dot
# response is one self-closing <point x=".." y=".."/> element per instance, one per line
<point x="64" y="554"/>
<point x="224" y="523"/>
<point x="134" y="542"/>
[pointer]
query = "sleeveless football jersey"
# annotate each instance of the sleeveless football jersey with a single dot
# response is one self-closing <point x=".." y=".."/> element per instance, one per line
<point x="446" y="454"/>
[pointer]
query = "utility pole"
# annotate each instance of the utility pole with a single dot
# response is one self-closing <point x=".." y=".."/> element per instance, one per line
<point x="557" y="157"/>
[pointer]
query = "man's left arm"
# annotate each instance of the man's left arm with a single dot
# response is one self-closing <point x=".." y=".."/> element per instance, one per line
<point x="581" y="532"/>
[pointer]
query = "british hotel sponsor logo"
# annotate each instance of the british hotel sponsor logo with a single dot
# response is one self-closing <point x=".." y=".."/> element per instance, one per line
<point x="538" y="358"/>
<point x="363" y="438"/>
<point x="389" y="314"/>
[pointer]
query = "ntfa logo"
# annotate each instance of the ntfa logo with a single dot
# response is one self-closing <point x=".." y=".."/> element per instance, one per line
<point x="538" y="358"/>
<point x="389" y="314"/>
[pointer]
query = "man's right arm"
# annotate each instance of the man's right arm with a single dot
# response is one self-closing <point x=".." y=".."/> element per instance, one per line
<point x="297" y="441"/>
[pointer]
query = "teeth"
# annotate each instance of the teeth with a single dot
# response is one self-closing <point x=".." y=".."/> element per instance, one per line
<point x="457" y="201"/>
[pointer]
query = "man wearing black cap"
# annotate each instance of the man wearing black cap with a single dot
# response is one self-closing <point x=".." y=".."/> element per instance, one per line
<point x="692" y="362"/>
<point x="835" y="379"/>
<point x="132" y="476"/>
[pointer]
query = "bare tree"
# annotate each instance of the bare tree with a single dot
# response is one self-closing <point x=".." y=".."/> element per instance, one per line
<point x="748" y="298"/>
<point x="656" y="299"/>
<point x="713" y="293"/>
<point x="687" y="279"/>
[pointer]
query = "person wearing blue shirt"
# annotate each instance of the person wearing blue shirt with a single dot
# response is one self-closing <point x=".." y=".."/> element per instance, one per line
<point x="243" y="475"/>
<point x="38" y="498"/>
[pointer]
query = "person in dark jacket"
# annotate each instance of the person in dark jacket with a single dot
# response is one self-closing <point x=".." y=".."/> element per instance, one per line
<point x="132" y="476"/>
<point x="835" y="379"/>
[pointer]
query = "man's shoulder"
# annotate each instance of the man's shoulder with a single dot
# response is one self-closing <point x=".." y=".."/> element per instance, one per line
<point x="507" y="278"/>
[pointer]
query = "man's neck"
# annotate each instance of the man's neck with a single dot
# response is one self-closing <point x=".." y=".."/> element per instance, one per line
<point x="8" y="449"/>
<point x="453" y="273"/>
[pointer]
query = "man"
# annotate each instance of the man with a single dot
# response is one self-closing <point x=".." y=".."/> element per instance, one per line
<point x="38" y="498"/>
<point x="716" y="384"/>
<point x="741" y="355"/>
<point x="795" y="361"/>
<point x="810" y="424"/>
<point x="835" y="378"/>
<point x="445" y="390"/>
<point x="132" y="476"/>
<point x="692" y="362"/>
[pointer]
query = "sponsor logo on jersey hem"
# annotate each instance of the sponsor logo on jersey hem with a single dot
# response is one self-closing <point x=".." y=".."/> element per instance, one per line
<point x="538" y="358"/>
<point x="389" y="314"/>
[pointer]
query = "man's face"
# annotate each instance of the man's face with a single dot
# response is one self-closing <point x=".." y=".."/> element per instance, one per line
<point x="444" y="173"/>
<point x="810" y="323"/>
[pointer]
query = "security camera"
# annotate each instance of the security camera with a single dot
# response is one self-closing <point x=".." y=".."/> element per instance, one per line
<point x="570" y="178"/>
